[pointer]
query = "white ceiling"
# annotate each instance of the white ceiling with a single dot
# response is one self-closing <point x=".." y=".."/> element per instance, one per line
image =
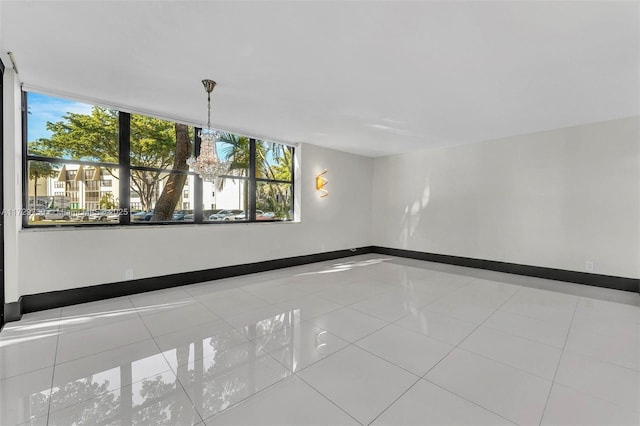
<point x="369" y="77"/>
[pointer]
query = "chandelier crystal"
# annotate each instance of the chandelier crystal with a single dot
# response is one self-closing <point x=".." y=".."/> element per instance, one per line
<point x="207" y="164"/>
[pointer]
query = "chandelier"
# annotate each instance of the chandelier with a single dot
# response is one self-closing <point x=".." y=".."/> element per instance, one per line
<point x="207" y="164"/>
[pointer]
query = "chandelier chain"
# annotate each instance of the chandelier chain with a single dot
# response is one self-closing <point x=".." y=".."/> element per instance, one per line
<point x="208" y="110"/>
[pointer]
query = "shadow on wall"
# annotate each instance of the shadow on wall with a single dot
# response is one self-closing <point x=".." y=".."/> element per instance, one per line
<point x="412" y="215"/>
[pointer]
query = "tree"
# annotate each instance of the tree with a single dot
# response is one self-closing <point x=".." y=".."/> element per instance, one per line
<point x="173" y="188"/>
<point x="108" y="202"/>
<point x="94" y="137"/>
<point x="39" y="169"/>
<point x="236" y="151"/>
<point x="153" y="144"/>
<point x="274" y="162"/>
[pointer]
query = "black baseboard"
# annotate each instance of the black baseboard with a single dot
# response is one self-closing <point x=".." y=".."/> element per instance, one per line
<point x="12" y="311"/>
<point x="57" y="299"/>
<point x="606" y="281"/>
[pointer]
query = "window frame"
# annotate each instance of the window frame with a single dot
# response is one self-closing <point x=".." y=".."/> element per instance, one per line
<point x="125" y="168"/>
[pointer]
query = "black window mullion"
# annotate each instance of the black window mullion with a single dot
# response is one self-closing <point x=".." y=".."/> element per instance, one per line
<point x="124" y="171"/>
<point x="42" y="158"/>
<point x="293" y="179"/>
<point x="272" y="180"/>
<point x="25" y="165"/>
<point x="198" y="216"/>
<point x="252" y="180"/>
<point x="156" y="169"/>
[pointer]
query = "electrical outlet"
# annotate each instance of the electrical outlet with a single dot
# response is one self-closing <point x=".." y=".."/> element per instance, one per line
<point x="588" y="266"/>
<point x="128" y="274"/>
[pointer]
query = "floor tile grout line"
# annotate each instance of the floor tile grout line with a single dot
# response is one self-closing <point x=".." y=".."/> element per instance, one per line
<point x="161" y="352"/>
<point x="457" y="347"/>
<point x="426" y="307"/>
<point x="505" y="364"/>
<point x="195" y="409"/>
<point x="381" y="357"/>
<point x="519" y="314"/>
<point x="606" y="401"/>
<point x="246" y="399"/>
<point x="370" y="353"/>
<point x="329" y="399"/>
<point x="470" y="401"/>
<point x="315" y="294"/>
<point x="100" y="395"/>
<point x="553" y="382"/>
<point x="360" y="338"/>
<point x="110" y="349"/>
<point x="503" y="277"/>
<point x="481" y="324"/>
<point x="394" y="401"/>
<point x="603" y="361"/>
<point x="233" y="328"/>
<point x="53" y="370"/>
<point x="489" y="316"/>
<point x="512" y="334"/>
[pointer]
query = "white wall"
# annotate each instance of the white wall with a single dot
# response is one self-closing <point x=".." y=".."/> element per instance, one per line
<point x="57" y="259"/>
<point x="12" y="135"/>
<point x="554" y="199"/>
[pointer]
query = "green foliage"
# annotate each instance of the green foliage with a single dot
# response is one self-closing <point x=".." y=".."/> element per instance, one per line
<point x="94" y="137"/>
<point x="153" y="142"/>
<point x="282" y="169"/>
<point x="236" y="151"/>
<point x="275" y="164"/>
<point x="108" y="202"/>
<point x="87" y="137"/>
<point x="37" y="171"/>
<point x="40" y="169"/>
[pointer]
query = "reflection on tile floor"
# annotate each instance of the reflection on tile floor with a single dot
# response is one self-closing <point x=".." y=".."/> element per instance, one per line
<point x="369" y="339"/>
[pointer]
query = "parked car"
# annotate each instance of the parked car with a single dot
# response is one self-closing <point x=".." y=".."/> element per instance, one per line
<point x="260" y="215"/>
<point x="80" y="215"/>
<point x="265" y="216"/>
<point x="55" y="214"/>
<point x="142" y="216"/>
<point x="242" y="215"/>
<point x="205" y="214"/>
<point x="179" y="215"/>
<point x="225" y="214"/>
<point x="104" y="215"/>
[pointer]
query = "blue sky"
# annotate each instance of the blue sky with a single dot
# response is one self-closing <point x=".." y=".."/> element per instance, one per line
<point x="45" y="108"/>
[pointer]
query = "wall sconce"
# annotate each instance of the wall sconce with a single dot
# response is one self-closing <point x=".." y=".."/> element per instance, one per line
<point x="321" y="183"/>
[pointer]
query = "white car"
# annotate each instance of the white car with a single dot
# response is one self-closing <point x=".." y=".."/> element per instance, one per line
<point x="104" y="215"/>
<point x="55" y="215"/>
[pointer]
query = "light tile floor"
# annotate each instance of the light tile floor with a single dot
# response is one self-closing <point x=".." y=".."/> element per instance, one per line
<point x="369" y="339"/>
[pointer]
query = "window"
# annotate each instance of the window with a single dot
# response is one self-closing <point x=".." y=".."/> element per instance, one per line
<point x="74" y="163"/>
<point x="274" y="182"/>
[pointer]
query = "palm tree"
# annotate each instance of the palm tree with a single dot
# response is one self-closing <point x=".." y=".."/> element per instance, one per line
<point x="273" y="162"/>
<point x="37" y="170"/>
